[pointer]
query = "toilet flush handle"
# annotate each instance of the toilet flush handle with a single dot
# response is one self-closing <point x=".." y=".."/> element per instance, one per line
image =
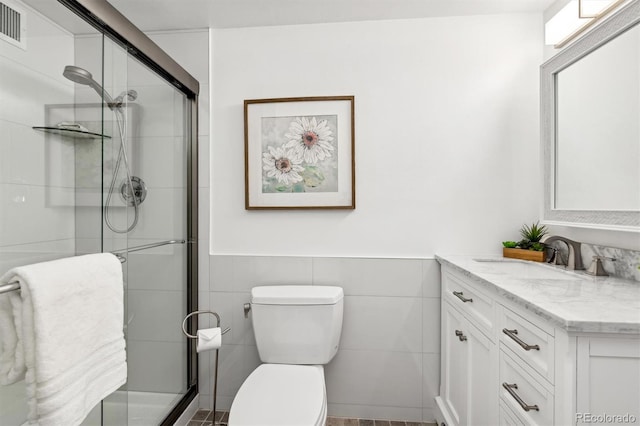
<point x="247" y="308"/>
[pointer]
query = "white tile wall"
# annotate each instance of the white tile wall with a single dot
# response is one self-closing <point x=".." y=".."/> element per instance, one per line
<point x="160" y="268"/>
<point x="161" y="216"/>
<point x="382" y="324"/>
<point x="156" y="315"/>
<point x="49" y="47"/>
<point x="241" y="273"/>
<point x="430" y="382"/>
<point x="387" y="366"/>
<point x="156" y="366"/>
<point x="26" y="91"/>
<point x="167" y="168"/>
<point x="22" y="154"/>
<point x="375" y="378"/>
<point x="36" y="202"/>
<point x="22" y="254"/>
<point x="371" y="277"/>
<point x="27" y="217"/>
<point x="431" y="325"/>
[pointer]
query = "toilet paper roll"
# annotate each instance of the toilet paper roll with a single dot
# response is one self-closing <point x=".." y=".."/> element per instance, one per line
<point x="209" y="339"/>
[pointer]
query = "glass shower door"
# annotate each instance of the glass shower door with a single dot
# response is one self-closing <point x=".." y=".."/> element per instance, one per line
<point x="150" y="231"/>
<point x="68" y="195"/>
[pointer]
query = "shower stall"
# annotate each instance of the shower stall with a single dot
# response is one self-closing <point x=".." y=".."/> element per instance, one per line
<point x="98" y="153"/>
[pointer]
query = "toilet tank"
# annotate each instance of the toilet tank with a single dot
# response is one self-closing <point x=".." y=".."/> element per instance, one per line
<point x="297" y="324"/>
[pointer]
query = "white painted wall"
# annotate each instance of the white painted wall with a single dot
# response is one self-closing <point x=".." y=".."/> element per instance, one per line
<point x="447" y="134"/>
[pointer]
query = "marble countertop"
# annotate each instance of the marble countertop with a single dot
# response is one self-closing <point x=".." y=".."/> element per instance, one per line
<point x="573" y="300"/>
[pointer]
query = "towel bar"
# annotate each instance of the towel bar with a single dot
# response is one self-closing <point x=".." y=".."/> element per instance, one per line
<point x="15" y="285"/>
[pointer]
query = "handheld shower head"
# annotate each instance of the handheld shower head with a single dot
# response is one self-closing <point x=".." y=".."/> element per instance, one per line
<point x="78" y="75"/>
<point x="82" y="76"/>
<point x="132" y="193"/>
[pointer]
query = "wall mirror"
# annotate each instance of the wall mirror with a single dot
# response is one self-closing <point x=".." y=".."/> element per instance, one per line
<point x="591" y="127"/>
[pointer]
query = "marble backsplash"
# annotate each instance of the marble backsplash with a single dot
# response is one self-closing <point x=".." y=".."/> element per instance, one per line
<point x="626" y="264"/>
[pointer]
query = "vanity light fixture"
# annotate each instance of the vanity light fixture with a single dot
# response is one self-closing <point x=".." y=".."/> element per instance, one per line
<point x="576" y="17"/>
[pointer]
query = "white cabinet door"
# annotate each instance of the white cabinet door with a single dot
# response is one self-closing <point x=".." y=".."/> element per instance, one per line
<point x="454" y="383"/>
<point x="482" y="379"/>
<point x="470" y="373"/>
<point x="608" y="390"/>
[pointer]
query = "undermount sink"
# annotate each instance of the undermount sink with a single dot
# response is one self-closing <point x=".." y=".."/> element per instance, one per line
<point x="497" y="260"/>
<point x="524" y="269"/>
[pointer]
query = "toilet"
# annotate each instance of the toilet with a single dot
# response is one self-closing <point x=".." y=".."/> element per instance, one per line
<point x="297" y="330"/>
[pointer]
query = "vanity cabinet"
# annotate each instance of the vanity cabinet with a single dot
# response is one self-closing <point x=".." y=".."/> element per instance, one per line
<point x="468" y="338"/>
<point x="502" y="364"/>
<point x="467" y="391"/>
<point x="608" y="373"/>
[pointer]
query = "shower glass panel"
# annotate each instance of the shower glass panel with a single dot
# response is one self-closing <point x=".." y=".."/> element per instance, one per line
<point x="37" y="173"/>
<point x="95" y="156"/>
<point x="156" y="292"/>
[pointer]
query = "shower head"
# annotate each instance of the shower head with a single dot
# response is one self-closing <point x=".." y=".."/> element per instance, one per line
<point x="82" y="76"/>
<point x="79" y="75"/>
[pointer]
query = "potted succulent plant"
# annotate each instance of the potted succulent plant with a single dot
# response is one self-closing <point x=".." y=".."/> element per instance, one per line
<point x="529" y="247"/>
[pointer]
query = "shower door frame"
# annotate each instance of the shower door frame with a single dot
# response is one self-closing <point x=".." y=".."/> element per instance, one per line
<point x="104" y="17"/>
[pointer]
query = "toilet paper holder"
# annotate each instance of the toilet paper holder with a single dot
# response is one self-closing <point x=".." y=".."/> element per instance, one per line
<point x="215" y="314"/>
<point x="191" y="336"/>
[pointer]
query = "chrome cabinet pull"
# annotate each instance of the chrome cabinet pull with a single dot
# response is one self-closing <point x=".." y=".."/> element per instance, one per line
<point x="510" y="389"/>
<point x="461" y="336"/>
<point x="525" y="346"/>
<point x="460" y="296"/>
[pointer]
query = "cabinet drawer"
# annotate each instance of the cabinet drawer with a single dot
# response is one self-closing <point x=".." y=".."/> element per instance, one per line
<point x="530" y="400"/>
<point x="527" y="341"/>
<point x="478" y="307"/>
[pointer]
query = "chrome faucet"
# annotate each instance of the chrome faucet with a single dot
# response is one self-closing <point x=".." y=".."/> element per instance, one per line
<point x="575" y="255"/>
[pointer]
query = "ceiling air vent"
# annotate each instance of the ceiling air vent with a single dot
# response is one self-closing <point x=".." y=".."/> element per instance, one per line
<point x="12" y="25"/>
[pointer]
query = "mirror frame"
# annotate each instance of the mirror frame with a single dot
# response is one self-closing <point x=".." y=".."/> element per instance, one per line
<point x="618" y="23"/>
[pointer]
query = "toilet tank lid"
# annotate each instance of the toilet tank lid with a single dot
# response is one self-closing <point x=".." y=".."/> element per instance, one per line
<point x="296" y="295"/>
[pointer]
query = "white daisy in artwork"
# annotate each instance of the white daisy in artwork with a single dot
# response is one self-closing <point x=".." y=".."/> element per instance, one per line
<point x="282" y="164"/>
<point x="310" y="139"/>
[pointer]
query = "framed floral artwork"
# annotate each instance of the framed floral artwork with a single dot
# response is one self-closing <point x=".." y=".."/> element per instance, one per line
<point x="299" y="153"/>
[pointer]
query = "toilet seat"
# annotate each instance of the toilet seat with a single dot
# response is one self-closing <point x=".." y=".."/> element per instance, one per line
<point x="281" y="395"/>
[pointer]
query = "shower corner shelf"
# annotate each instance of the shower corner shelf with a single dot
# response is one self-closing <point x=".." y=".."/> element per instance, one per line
<point x="71" y="133"/>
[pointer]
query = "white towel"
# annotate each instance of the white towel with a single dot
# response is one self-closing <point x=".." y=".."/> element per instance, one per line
<point x="67" y="321"/>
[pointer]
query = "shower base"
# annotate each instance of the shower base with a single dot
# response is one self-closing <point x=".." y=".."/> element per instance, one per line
<point x="124" y="408"/>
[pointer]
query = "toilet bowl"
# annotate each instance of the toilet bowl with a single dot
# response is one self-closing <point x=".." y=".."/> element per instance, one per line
<point x="281" y="395"/>
<point x="297" y="330"/>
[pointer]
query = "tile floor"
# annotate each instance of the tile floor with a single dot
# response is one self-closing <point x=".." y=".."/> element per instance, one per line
<point x="205" y="418"/>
